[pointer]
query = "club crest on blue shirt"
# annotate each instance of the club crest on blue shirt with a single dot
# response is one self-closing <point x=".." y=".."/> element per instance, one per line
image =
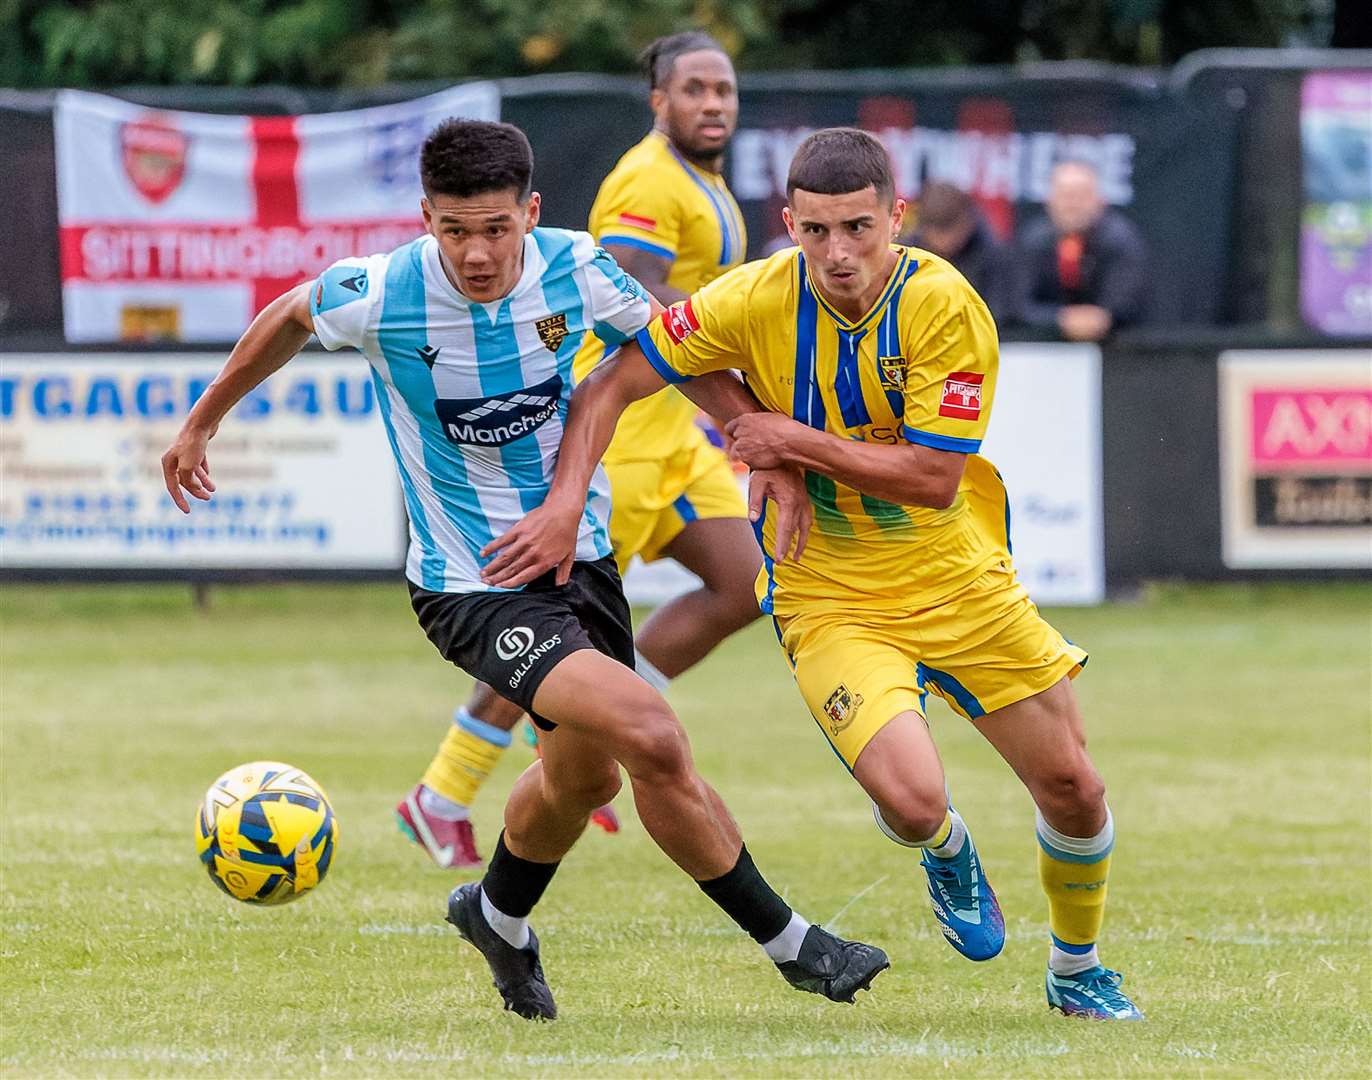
<point x="552" y="330"/>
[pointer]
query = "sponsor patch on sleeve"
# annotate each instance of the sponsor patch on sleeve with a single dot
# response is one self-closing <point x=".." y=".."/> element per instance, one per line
<point x="680" y="321"/>
<point x="962" y="395"/>
<point x="638" y="221"/>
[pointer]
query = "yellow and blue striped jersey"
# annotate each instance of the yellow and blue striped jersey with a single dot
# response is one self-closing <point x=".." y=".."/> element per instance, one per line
<point x="919" y="366"/>
<point x="656" y="200"/>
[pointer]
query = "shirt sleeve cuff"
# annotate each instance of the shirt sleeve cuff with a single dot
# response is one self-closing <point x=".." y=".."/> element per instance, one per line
<point x="636" y="242"/>
<point x="941" y="442"/>
<point x="325" y="335"/>
<point x="657" y="360"/>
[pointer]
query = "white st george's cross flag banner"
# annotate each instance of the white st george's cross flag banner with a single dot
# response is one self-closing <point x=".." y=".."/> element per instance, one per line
<point x="182" y="226"/>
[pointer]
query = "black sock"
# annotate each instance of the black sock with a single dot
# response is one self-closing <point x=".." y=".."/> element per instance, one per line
<point x="746" y="898"/>
<point x="514" y="885"/>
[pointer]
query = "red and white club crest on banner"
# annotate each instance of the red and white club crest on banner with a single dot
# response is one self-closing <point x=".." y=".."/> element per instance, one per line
<point x="962" y="395"/>
<point x="153" y="150"/>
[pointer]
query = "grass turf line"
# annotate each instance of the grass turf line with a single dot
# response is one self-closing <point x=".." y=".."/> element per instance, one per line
<point x="1231" y="724"/>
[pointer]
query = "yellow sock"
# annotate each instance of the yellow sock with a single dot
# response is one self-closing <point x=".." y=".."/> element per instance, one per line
<point x="1074" y="873"/>
<point x="465" y="758"/>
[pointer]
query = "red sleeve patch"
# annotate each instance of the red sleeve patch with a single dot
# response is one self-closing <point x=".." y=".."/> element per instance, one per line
<point x="962" y="395"/>
<point x="638" y="221"/>
<point x="680" y="321"/>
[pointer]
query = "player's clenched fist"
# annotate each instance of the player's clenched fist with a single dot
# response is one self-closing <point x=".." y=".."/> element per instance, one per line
<point x="760" y="439"/>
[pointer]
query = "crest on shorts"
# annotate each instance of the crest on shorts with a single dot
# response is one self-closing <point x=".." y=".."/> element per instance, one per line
<point x="841" y="709"/>
<point x="552" y="330"/>
<point x="892" y="372"/>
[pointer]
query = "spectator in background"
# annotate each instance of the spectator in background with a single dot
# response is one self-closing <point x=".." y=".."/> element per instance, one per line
<point x="1081" y="271"/>
<point x="948" y="223"/>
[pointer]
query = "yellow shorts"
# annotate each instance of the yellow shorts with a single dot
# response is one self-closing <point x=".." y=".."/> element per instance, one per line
<point x="982" y="649"/>
<point x="652" y="501"/>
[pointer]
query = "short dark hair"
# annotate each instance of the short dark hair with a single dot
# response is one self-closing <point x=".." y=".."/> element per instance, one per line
<point x="942" y="205"/>
<point x="471" y="157"/>
<point x="659" y="57"/>
<point x="836" y="161"/>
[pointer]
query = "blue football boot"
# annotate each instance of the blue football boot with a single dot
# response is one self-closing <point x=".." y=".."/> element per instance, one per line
<point x="1094" y="993"/>
<point x="964" y="903"/>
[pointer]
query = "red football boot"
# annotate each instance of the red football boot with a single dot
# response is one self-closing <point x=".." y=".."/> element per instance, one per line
<point x="451" y="844"/>
<point x="606" y="818"/>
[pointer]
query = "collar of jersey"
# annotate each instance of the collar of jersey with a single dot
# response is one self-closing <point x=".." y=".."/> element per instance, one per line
<point x="714" y="179"/>
<point x="903" y="258"/>
<point x="533" y="270"/>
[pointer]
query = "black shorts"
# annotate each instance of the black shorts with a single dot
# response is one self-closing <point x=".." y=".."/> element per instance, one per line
<point x="511" y="640"/>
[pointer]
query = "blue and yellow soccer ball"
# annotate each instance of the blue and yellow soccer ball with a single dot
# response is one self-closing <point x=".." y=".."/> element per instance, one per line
<point x="266" y="833"/>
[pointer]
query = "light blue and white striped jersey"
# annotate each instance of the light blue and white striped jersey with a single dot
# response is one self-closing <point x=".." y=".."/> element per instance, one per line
<point x="474" y="395"/>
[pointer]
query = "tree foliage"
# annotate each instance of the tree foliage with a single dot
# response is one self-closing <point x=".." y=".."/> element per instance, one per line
<point x="328" y="43"/>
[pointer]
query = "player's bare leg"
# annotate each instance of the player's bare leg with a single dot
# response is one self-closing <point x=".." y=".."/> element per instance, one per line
<point x="600" y="699"/>
<point x="901" y="772"/>
<point x="609" y="717"/>
<point x="723" y="553"/>
<point x="1044" y="741"/>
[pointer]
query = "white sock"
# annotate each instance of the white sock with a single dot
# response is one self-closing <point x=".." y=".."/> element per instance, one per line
<point x="515" y="931"/>
<point x="786" y="945"/>
<point x="956" y="836"/>
<point x="1094" y="846"/>
<point x="649" y="673"/>
<point x="950" y="847"/>
<point x="439" y="806"/>
<point x="1062" y="962"/>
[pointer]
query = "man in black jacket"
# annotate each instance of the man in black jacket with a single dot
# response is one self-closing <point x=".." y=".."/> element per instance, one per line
<point x="948" y="223"/>
<point x="1082" y="269"/>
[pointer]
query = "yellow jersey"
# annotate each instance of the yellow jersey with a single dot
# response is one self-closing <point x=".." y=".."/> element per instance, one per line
<point x="656" y="200"/>
<point x="919" y="366"/>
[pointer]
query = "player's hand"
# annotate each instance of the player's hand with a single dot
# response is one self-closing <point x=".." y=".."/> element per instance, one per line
<point x="545" y="538"/>
<point x="795" y="515"/>
<point x="760" y="439"/>
<point x="185" y="465"/>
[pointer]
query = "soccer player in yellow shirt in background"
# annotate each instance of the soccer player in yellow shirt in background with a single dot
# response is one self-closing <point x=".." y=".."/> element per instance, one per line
<point x="877" y="365"/>
<point x="667" y="217"/>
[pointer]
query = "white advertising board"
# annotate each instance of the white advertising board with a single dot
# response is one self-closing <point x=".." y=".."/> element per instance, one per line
<point x="1045" y="438"/>
<point x="1296" y="459"/>
<point x="306" y="478"/>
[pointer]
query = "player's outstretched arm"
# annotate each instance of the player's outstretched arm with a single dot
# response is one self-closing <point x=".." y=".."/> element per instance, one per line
<point x="278" y="333"/>
<point x="903" y="473"/>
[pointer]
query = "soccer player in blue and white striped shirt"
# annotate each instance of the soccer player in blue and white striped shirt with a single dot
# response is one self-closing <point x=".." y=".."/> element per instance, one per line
<point x="470" y="332"/>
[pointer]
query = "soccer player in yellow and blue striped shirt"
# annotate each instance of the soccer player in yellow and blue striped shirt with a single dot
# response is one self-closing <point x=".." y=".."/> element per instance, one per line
<point x="875" y="366"/>
<point x="667" y="217"/>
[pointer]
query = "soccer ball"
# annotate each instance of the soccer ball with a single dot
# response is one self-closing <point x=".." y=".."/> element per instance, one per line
<point x="265" y="833"/>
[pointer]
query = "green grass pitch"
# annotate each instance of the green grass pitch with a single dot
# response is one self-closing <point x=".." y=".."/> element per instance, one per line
<point x="1231" y="724"/>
